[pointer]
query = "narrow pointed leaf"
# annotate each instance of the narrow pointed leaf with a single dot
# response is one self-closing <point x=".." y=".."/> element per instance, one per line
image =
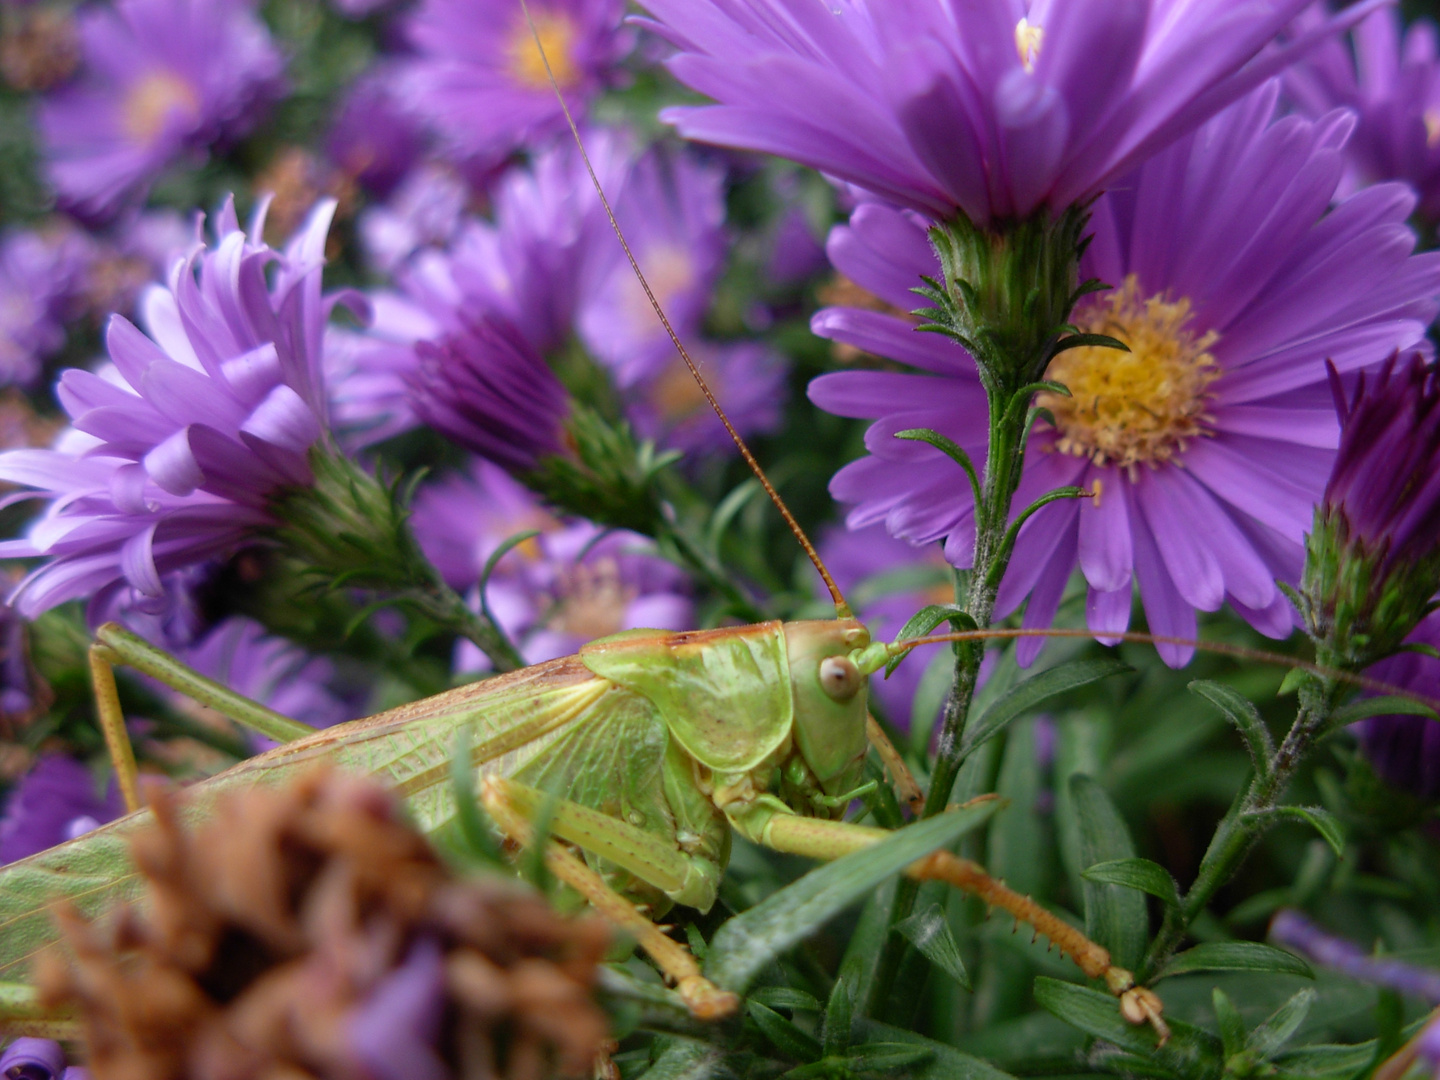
<point x="751" y="939"/>
<point x="838" y="1012"/>
<point x="1114" y="916"/>
<point x="1276" y="1030"/>
<point x="1242" y="713"/>
<point x="945" y="1062"/>
<point x="1232" y="1028"/>
<point x="1236" y="956"/>
<point x="1191" y="1052"/>
<point x="1324" y="822"/>
<point x="929" y="932"/>
<point x="1380" y="706"/>
<point x="887" y="1057"/>
<point x="926" y="620"/>
<point x="686" y="1060"/>
<point x="785" y="997"/>
<point x="1142" y="874"/>
<point x="788" y="1039"/>
<point x="1035" y="690"/>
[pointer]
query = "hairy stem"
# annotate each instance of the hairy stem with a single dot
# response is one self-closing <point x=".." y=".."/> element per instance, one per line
<point x="1241" y="829"/>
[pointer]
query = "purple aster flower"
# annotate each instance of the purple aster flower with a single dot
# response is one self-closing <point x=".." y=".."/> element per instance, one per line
<point x="553" y="593"/>
<point x="40" y="272"/>
<point x="1206" y="446"/>
<point x="1296" y="932"/>
<point x="176" y="450"/>
<point x="478" y="79"/>
<point x="993" y="108"/>
<point x="373" y="139"/>
<point x="1405" y="750"/>
<point x="160" y="77"/>
<point x="485" y="388"/>
<point x="32" y="1059"/>
<point x="427" y="210"/>
<point x="672" y="209"/>
<point x="55" y="801"/>
<point x="1392" y="83"/>
<point x="747" y="378"/>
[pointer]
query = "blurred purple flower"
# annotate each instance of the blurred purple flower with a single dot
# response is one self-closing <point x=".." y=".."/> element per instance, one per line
<point x="485" y="388"/>
<point x="54" y="802"/>
<point x="746" y="377"/>
<point x="1296" y="932"/>
<point x="1209" y="443"/>
<point x="1392" y="83"/>
<point x="394" y="1032"/>
<point x="160" y="77"/>
<point x="479" y="81"/>
<point x="672" y="210"/>
<point x="551" y="594"/>
<point x="946" y="106"/>
<point x="795" y="254"/>
<point x="372" y="139"/>
<point x="1405" y="749"/>
<point x="359" y="9"/>
<point x="176" y="450"/>
<point x="40" y="273"/>
<point x="427" y="210"/>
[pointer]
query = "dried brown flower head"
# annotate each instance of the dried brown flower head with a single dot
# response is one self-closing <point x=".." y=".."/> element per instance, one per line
<point x="39" y="48"/>
<point x="306" y="931"/>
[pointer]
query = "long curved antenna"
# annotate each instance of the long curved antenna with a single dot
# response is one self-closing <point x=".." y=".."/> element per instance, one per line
<point x="842" y="609"/>
<point x="1135" y="636"/>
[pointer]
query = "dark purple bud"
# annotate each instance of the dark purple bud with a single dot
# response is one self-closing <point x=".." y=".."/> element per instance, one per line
<point x="489" y="390"/>
<point x="1299" y="934"/>
<point x="32" y="1059"/>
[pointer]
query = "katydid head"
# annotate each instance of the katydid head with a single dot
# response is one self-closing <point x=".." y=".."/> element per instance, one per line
<point x="831" y="696"/>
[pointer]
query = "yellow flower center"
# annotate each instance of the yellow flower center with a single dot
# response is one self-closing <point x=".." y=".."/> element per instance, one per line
<point x="557" y="35"/>
<point x="670" y="271"/>
<point x="152" y="101"/>
<point x="1028" y="37"/>
<point x="1140" y="406"/>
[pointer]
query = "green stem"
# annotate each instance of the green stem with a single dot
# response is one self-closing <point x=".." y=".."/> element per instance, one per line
<point x="1241" y="829"/>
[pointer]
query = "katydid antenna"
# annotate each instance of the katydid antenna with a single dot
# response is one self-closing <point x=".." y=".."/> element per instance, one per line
<point x="842" y="609"/>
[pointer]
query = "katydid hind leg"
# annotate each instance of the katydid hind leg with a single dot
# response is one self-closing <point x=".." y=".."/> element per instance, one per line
<point x="111" y="717"/>
<point x="822" y="839"/>
<point x="704" y="999"/>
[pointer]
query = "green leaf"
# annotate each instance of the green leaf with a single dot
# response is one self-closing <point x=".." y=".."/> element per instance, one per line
<point x="785" y="997"/>
<point x="838" y="1011"/>
<point x="787" y="1038"/>
<point x="686" y="1060"/>
<point x="929" y="932"/>
<point x="1325" y="823"/>
<point x="887" y="1057"/>
<point x="946" y="1062"/>
<point x="1293" y="678"/>
<point x="1232" y="1028"/>
<point x="480" y="835"/>
<point x="1081" y="341"/>
<point x="751" y="939"/>
<point x="1114" y="916"/>
<point x="924" y="621"/>
<point x="1276" y="1030"/>
<point x="1191" y="1052"/>
<point x="1378" y="706"/>
<point x="1235" y="956"/>
<point x="1032" y="692"/>
<point x="1242" y="713"/>
<point x="951" y="449"/>
<point x="1142" y="874"/>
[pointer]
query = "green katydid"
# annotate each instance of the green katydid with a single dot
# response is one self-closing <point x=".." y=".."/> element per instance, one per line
<point x="658" y="745"/>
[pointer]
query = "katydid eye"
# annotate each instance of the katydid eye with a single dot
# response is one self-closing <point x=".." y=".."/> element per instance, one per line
<point x="839" y="677"/>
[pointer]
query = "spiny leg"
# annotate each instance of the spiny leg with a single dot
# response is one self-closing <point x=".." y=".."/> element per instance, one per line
<point x="704" y="999"/>
<point x="821" y="839"/>
<point x="899" y="771"/>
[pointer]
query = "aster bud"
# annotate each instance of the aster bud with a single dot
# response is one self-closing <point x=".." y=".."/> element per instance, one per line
<point x="1008" y="291"/>
<point x="1373" y="556"/>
